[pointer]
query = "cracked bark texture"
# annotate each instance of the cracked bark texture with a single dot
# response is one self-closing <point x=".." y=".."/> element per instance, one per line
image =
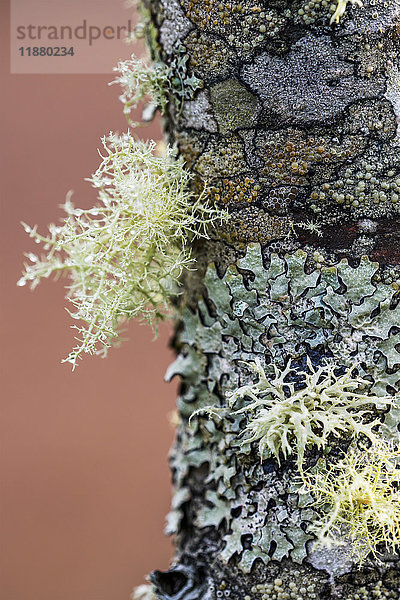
<point x="296" y="133"/>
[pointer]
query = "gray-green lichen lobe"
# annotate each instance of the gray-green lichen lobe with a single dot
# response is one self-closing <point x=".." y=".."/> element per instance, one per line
<point x="287" y="308"/>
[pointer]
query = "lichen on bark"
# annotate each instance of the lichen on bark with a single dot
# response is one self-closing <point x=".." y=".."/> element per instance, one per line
<point x="295" y="133"/>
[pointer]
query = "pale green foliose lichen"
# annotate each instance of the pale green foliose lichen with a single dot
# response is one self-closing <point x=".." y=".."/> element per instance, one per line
<point x="285" y="419"/>
<point x="276" y="311"/>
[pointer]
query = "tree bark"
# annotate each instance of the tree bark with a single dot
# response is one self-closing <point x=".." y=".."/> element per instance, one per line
<point x="296" y="133"/>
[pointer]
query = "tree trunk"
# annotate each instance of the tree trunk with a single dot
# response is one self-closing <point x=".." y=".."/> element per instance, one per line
<point x="296" y="134"/>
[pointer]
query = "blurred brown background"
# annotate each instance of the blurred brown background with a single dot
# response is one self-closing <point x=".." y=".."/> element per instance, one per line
<point x="85" y="484"/>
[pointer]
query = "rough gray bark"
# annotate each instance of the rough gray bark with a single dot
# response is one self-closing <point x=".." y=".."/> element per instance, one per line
<point x="296" y="132"/>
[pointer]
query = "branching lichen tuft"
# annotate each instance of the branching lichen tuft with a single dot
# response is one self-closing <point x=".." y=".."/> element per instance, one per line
<point x="157" y="84"/>
<point x="360" y="497"/>
<point x="124" y="255"/>
<point x="285" y="419"/>
<point x="142" y="82"/>
<point x="341" y="9"/>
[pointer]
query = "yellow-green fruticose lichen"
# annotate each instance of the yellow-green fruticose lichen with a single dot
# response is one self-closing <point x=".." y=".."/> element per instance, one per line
<point x="359" y="498"/>
<point x="333" y="330"/>
<point x="123" y="256"/>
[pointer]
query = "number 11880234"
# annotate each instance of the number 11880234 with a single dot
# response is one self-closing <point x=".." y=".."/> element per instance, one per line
<point x="46" y="51"/>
